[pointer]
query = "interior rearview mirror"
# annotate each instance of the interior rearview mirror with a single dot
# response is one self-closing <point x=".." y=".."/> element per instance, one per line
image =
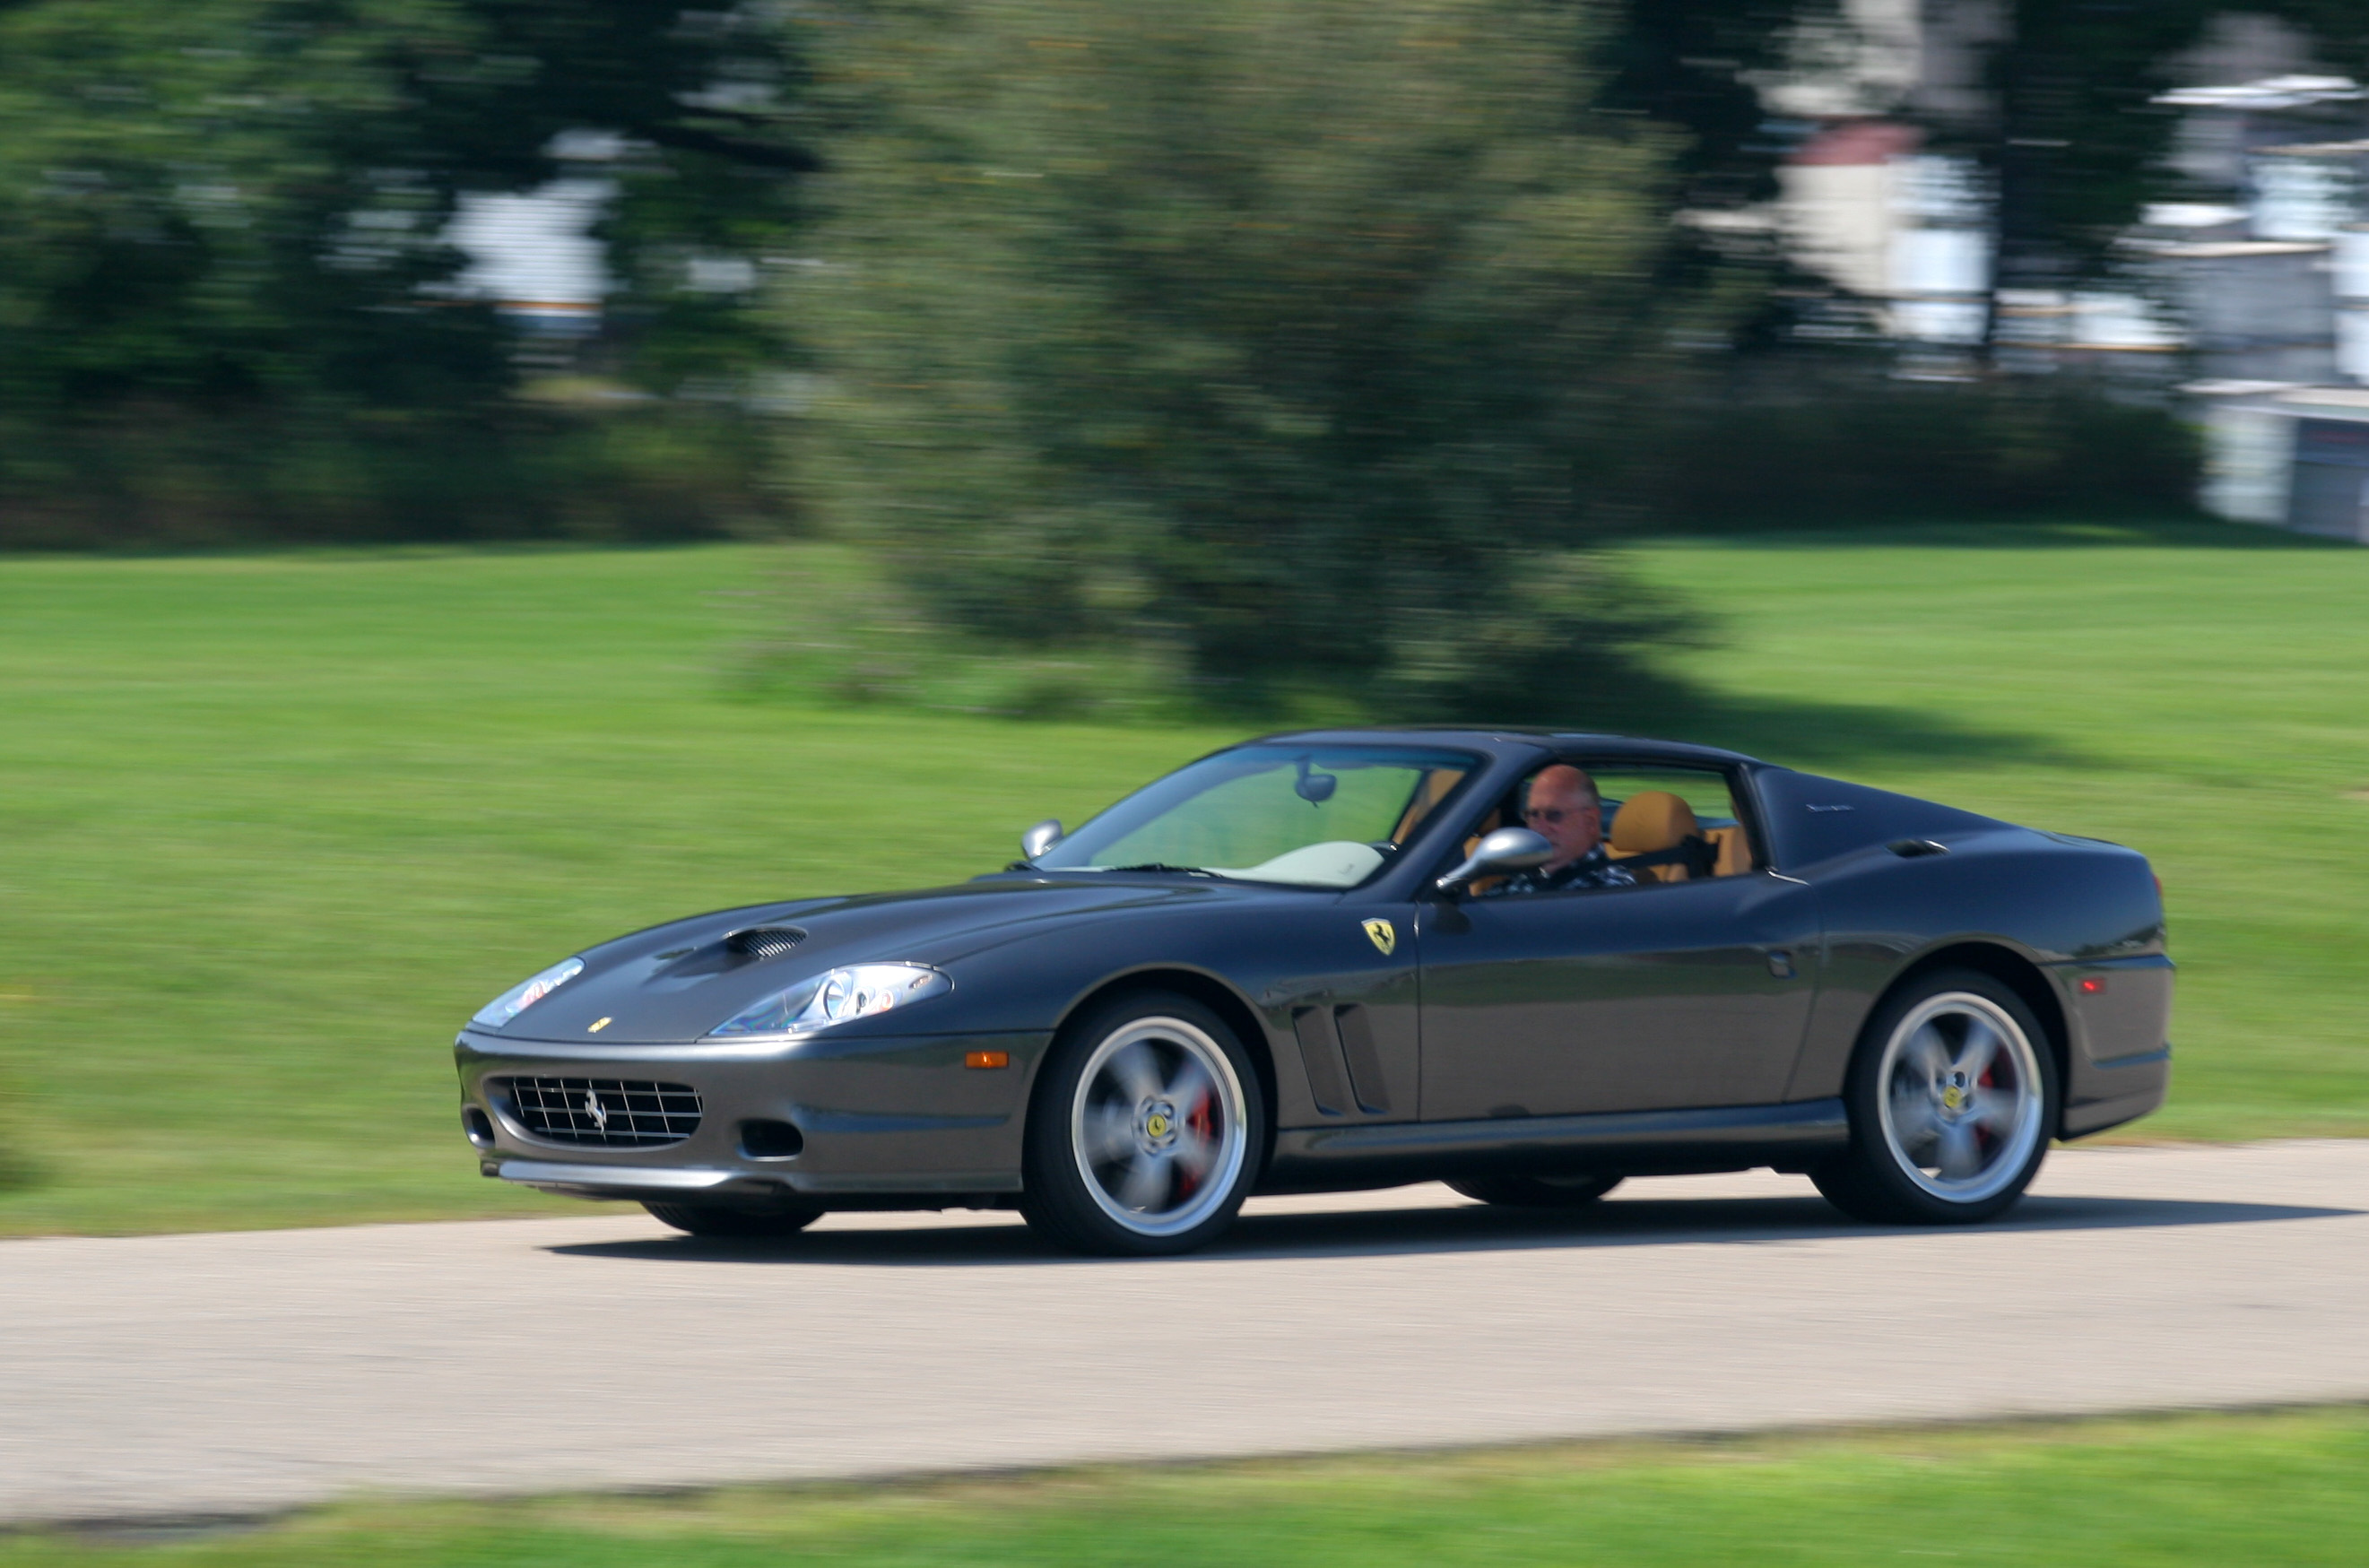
<point x="1041" y="837"/>
<point x="1506" y="850"/>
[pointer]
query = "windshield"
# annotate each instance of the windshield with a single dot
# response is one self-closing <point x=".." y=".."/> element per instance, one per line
<point x="1315" y="816"/>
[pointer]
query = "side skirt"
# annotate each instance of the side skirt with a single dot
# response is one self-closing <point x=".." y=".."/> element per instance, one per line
<point x="1726" y="1138"/>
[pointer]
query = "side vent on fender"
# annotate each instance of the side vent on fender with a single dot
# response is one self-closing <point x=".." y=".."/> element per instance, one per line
<point x="1319" y="1053"/>
<point x="764" y="941"/>
<point x="1912" y="849"/>
<point x="1365" y="1062"/>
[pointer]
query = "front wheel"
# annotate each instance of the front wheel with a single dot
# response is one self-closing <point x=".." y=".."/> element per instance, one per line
<point x="709" y="1219"/>
<point x="1952" y="1094"/>
<point x="1146" y="1129"/>
<point x="1536" y="1192"/>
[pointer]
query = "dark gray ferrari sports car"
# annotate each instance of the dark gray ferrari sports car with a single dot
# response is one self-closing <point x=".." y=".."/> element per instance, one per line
<point x="1528" y="963"/>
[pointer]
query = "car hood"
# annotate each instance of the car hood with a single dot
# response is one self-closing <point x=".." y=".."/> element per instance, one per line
<point x="678" y="981"/>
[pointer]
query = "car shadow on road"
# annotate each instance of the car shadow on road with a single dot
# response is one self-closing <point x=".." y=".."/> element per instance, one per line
<point x="1629" y="1222"/>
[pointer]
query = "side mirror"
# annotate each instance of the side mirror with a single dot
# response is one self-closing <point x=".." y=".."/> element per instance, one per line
<point x="1040" y="838"/>
<point x="1508" y="848"/>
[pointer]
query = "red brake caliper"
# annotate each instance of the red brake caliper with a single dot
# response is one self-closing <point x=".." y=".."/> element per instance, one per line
<point x="1984" y="1135"/>
<point x="1204" y="1127"/>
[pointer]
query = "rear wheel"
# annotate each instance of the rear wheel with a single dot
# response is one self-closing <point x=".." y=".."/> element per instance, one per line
<point x="1146" y="1129"/>
<point x="711" y="1220"/>
<point x="1953" y="1095"/>
<point x="1536" y="1192"/>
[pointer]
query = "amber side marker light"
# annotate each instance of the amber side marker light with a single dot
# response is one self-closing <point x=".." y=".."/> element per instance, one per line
<point x="987" y="1059"/>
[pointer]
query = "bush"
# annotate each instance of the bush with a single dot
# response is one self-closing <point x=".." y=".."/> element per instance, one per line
<point x="1811" y="444"/>
<point x="169" y="477"/>
<point x="1292" y="350"/>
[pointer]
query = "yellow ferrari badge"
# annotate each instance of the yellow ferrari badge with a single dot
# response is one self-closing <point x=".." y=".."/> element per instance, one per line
<point x="1385" y="935"/>
<point x="597" y="1027"/>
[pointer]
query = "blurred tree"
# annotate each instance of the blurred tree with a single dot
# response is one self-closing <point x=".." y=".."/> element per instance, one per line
<point x="1299" y="346"/>
<point x="1698" y="66"/>
<point x="235" y="210"/>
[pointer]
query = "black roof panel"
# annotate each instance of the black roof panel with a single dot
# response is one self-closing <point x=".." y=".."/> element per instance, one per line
<point x="1498" y="738"/>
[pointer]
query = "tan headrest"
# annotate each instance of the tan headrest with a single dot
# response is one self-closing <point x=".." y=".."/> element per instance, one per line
<point x="1652" y="819"/>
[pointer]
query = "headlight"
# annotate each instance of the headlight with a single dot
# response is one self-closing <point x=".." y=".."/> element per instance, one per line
<point x="526" y="993"/>
<point x="857" y="992"/>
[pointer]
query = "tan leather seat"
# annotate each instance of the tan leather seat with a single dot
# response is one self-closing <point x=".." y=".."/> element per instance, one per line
<point x="1427" y="795"/>
<point x="1649" y="821"/>
<point x="1734" y="850"/>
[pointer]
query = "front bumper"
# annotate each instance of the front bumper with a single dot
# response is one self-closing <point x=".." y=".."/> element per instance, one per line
<point x="883" y="1119"/>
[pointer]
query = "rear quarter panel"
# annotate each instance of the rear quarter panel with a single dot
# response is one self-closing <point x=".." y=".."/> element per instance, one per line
<point x="2070" y="906"/>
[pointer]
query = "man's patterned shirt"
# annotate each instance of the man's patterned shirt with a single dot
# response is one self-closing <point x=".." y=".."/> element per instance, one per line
<point x="1593" y="869"/>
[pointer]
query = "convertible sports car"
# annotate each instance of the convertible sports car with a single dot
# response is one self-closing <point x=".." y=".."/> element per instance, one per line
<point x="1333" y="960"/>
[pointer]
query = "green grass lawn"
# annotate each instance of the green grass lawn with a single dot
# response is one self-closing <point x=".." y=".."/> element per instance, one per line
<point x="274" y="825"/>
<point x="2256" y="1490"/>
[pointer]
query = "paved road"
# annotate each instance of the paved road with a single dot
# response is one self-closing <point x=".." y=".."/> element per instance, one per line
<point x="187" y="1375"/>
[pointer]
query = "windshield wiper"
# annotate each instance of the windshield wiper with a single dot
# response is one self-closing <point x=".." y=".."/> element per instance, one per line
<point x="1160" y="865"/>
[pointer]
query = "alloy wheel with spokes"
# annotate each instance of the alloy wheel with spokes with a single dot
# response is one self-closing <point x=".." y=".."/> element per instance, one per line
<point x="1962" y="1102"/>
<point x="1143" y="1130"/>
<point x="1952" y="1099"/>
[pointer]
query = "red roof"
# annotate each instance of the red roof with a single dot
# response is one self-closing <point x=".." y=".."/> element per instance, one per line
<point x="1858" y="142"/>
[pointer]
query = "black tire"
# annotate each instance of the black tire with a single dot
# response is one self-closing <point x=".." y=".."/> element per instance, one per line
<point x="712" y="1219"/>
<point x="1536" y="1191"/>
<point x="1147" y="1095"/>
<point x="1905" y="1103"/>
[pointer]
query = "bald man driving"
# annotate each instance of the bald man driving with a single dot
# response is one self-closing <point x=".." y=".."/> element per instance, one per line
<point x="1563" y="809"/>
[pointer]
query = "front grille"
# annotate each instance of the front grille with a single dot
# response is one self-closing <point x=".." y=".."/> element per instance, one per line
<point x="614" y="1112"/>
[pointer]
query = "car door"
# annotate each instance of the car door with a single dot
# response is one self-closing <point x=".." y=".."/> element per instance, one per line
<point x="1615" y="999"/>
<point x="1353" y="1001"/>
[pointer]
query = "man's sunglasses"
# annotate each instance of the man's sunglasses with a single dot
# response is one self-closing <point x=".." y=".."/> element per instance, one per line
<point x="1552" y="813"/>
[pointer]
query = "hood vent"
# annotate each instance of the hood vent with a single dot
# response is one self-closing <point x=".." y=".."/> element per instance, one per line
<point x="764" y="941"/>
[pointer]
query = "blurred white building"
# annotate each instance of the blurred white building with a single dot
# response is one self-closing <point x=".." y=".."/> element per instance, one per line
<point x="534" y="254"/>
<point x="2258" y="296"/>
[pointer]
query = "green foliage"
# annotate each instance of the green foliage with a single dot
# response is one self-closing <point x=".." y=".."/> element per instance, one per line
<point x="225" y="201"/>
<point x="1292" y="350"/>
<point x="226" y="302"/>
<point x="1697" y="66"/>
<point x="1798" y="443"/>
<point x="170" y="476"/>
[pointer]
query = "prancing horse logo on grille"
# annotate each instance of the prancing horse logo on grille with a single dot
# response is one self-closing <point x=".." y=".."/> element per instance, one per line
<point x="593" y="1108"/>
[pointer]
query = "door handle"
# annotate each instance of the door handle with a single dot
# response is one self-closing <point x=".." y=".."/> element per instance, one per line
<point x="1780" y="963"/>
